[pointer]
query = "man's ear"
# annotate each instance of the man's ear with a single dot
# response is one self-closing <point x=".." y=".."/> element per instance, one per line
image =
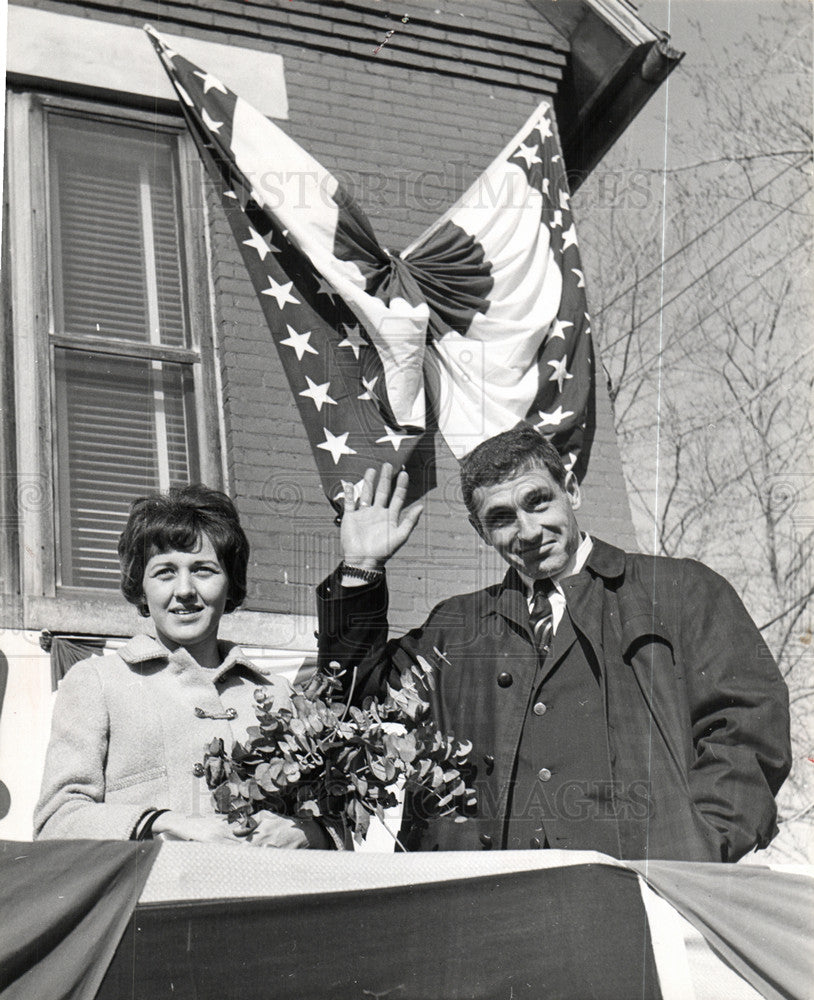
<point x="477" y="526"/>
<point x="571" y="487"/>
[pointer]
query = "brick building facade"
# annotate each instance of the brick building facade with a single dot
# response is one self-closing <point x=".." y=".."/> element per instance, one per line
<point x="407" y="129"/>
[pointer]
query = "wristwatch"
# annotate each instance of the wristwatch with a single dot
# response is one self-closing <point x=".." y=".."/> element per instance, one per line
<point x="368" y="575"/>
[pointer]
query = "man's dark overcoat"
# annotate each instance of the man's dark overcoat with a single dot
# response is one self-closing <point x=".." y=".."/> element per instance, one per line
<point x="696" y="712"/>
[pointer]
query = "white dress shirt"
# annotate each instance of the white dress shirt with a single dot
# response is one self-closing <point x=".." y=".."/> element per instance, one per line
<point x="557" y="595"/>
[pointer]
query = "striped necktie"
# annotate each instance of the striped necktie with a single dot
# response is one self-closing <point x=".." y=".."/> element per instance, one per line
<point x="541" y="616"/>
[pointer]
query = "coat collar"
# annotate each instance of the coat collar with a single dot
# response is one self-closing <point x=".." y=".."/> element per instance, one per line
<point x="638" y="613"/>
<point x="144" y="648"/>
<point x="606" y="560"/>
<point x="508" y="598"/>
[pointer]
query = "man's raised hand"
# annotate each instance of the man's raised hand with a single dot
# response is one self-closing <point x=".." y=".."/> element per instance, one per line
<point x="374" y="526"/>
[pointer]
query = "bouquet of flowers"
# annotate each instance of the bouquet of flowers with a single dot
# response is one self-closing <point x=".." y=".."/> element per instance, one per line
<point x="328" y="760"/>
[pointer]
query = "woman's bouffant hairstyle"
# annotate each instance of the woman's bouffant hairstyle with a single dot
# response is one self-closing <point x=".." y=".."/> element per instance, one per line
<point x="176" y="520"/>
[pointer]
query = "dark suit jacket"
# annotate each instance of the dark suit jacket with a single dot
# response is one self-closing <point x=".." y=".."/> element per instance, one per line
<point x="696" y="710"/>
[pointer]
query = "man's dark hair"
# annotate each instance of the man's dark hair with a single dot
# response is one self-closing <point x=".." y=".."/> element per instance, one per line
<point x="505" y="455"/>
<point x="176" y="520"/>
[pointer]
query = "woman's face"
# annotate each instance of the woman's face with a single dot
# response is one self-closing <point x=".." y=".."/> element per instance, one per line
<point x="186" y="593"/>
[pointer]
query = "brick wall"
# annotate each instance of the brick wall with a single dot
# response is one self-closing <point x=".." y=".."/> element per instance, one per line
<point x="407" y="130"/>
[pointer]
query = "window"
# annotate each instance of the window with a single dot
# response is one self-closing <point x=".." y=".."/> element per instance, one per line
<point x="124" y="416"/>
<point x="107" y="208"/>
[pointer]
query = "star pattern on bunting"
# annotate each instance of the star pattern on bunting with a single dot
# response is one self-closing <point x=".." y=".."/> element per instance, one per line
<point x="353" y="340"/>
<point x="545" y="130"/>
<point x="569" y="237"/>
<point x="351" y="490"/>
<point x="393" y="438"/>
<point x="553" y="419"/>
<point x="319" y="393"/>
<point x="559" y="329"/>
<point x="528" y="154"/>
<point x="325" y="289"/>
<point x="370" y="385"/>
<point x="209" y="81"/>
<point x="560" y="373"/>
<point x="300" y="342"/>
<point x="281" y="292"/>
<point x="210" y="123"/>
<point x="256" y="241"/>
<point x="336" y="444"/>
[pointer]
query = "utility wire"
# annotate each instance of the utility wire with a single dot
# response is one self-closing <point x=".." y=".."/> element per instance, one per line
<point x="700" y="235"/>
<point x="627" y="376"/>
<point x="780" y="260"/>
<point x="734" y="250"/>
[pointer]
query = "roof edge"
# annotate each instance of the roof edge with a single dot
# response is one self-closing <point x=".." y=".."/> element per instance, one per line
<point x="622" y="17"/>
<point x="614" y="105"/>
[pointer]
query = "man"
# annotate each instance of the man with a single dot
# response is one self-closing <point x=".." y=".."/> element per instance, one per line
<point x="615" y="702"/>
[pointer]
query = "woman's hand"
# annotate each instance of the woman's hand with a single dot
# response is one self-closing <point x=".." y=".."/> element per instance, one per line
<point x="374" y="527"/>
<point x="286" y="833"/>
<point x="272" y="831"/>
<point x="203" y="829"/>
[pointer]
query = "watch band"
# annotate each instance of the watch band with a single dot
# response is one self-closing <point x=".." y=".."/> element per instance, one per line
<point x="368" y="575"/>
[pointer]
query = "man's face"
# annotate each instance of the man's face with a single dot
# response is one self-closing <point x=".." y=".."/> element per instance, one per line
<point x="529" y="520"/>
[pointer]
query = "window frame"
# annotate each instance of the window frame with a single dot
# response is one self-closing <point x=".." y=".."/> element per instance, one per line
<point x="29" y="283"/>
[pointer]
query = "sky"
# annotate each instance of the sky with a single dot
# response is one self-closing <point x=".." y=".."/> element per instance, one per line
<point x="725" y="27"/>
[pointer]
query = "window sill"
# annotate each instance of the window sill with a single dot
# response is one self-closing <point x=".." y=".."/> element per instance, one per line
<point x="100" y="613"/>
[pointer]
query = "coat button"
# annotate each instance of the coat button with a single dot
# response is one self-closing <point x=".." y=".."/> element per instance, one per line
<point x="486" y="840"/>
<point x="504" y="680"/>
<point x="544" y="774"/>
<point x="535" y="844"/>
<point x="489" y="761"/>
<point x="540" y="708"/>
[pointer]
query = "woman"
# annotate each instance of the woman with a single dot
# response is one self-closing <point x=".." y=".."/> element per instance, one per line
<point x="129" y="728"/>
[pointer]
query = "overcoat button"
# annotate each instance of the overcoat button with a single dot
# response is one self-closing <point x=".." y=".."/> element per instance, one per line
<point x="540" y="708"/>
<point x="544" y="774"/>
<point x="534" y="844"/>
<point x="504" y="680"/>
<point x="489" y="761"/>
<point x="486" y="840"/>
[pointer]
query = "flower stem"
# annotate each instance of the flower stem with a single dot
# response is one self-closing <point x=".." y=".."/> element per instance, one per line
<point x="350" y="693"/>
<point x="393" y="835"/>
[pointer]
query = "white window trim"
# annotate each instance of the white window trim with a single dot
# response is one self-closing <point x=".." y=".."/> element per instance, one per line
<point x="44" y="604"/>
<point x="114" y="57"/>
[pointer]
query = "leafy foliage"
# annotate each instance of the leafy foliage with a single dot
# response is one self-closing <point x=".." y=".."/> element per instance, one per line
<point x="330" y="760"/>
